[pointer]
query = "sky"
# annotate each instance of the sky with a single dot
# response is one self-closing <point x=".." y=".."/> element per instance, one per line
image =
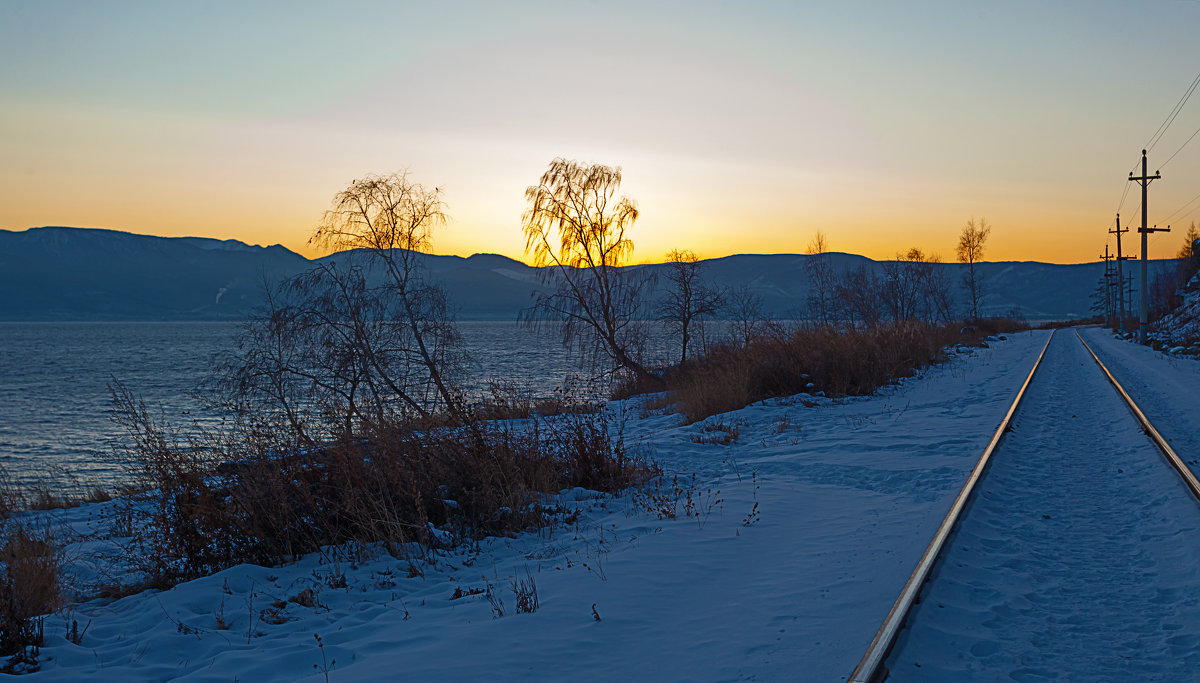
<point x="741" y="127"/>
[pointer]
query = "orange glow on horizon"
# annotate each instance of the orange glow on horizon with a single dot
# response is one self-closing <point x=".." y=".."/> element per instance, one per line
<point x="735" y="130"/>
<point x="653" y="239"/>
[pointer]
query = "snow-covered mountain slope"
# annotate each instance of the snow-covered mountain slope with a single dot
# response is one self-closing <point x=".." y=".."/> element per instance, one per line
<point x="1179" y="330"/>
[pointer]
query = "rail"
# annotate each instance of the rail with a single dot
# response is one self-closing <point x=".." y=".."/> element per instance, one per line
<point x="871" y="668"/>
<point x="1169" y="453"/>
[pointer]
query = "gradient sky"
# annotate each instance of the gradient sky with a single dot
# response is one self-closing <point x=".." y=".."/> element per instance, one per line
<point x="741" y="127"/>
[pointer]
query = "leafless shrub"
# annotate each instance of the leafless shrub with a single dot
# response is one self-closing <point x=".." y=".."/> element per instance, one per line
<point x="406" y="487"/>
<point x="494" y="599"/>
<point x="525" y="591"/>
<point x="11" y="497"/>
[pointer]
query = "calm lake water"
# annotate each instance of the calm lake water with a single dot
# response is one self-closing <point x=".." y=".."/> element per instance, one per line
<point x="54" y="398"/>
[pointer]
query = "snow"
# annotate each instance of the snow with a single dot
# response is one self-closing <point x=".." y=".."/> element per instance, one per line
<point x="1069" y="559"/>
<point x="849" y="492"/>
<point x="1181" y="328"/>
<point x="1164" y="387"/>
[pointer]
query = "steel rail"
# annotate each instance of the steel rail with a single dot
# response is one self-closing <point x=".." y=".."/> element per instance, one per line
<point x="1175" y="461"/>
<point x="871" y="667"/>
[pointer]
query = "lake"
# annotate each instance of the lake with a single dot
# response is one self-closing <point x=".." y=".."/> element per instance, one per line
<point x="55" y="402"/>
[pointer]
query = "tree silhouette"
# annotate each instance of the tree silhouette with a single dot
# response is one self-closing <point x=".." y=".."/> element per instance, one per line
<point x="359" y="340"/>
<point x="822" y="295"/>
<point x="688" y="300"/>
<point x="970" y="251"/>
<point x="391" y="219"/>
<point x="575" y="230"/>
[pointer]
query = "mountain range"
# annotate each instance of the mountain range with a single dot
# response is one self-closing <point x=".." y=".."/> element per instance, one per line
<point x="61" y="273"/>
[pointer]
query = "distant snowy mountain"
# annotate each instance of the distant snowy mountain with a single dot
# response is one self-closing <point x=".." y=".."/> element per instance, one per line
<point x="82" y="274"/>
<point x="57" y="273"/>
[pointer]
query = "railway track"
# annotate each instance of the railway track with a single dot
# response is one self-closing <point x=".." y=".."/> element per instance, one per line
<point x="1034" y="572"/>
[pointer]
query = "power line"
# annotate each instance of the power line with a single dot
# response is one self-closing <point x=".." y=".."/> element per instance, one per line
<point x="1162" y="129"/>
<point x="1125" y="193"/>
<point x="1189" y="213"/>
<point x="1160" y="132"/>
<point x="1186" y="205"/>
<point x="1123" y="196"/>
<point x="1185" y="143"/>
<point x="1138" y="209"/>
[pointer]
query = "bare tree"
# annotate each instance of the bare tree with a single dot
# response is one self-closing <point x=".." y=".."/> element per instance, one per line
<point x="688" y="301"/>
<point x="575" y="229"/>
<point x="360" y="339"/>
<point x="970" y="251"/>
<point x="936" y="288"/>
<point x="745" y="311"/>
<point x="860" y="294"/>
<point x="914" y="287"/>
<point x="391" y="220"/>
<point x="900" y="287"/>
<point x="822" y="299"/>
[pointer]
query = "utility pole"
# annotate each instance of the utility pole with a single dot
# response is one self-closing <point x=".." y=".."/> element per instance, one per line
<point x="1144" y="314"/>
<point x="1120" y="276"/>
<point x="1108" y="277"/>
<point x="1129" y="288"/>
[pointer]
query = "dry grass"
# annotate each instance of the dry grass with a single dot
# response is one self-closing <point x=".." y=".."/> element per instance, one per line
<point x="507" y="400"/>
<point x="42" y="497"/>
<point x="30" y="568"/>
<point x="406" y="488"/>
<point x="836" y="361"/>
<point x="11" y="497"/>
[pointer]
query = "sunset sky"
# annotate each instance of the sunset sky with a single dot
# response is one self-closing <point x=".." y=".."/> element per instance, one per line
<point x="741" y="127"/>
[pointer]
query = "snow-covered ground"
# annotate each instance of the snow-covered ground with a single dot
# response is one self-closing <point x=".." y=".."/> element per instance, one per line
<point x="1165" y="387"/>
<point x="848" y="493"/>
<point x="1179" y="331"/>
<point x="1072" y="560"/>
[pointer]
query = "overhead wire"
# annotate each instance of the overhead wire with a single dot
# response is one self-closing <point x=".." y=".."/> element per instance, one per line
<point x="1161" y="131"/>
<point x="1157" y="137"/>
<point x="1180" y="209"/>
<point x="1123" y="196"/>
<point x="1125" y="193"/>
<point x="1189" y="213"/>
<point x="1162" y="128"/>
<point x="1185" y="144"/>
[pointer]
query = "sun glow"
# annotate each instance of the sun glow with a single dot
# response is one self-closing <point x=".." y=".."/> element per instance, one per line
<point x="738" y="130"/>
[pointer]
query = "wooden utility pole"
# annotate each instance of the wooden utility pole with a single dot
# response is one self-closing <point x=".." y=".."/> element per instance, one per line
<point x="1129" y="288"/>
<point x="1108" y="297"/>
<point x="1144" y="313"/>
<point x="1122" y="317"/>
